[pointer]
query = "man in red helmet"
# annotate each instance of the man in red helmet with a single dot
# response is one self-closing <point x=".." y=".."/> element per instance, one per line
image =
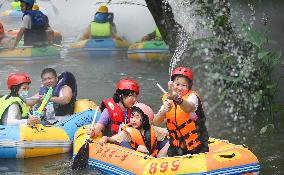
<point x="183" y="111"/>
<point x="116" y="110"/>
<point x="13" y="110"/>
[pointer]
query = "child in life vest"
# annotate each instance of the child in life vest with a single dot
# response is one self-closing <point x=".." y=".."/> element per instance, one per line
<point x="182" y="109"/>
<point x="140" y="132"/>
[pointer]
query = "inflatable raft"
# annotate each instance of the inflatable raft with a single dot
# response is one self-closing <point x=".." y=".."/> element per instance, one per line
<point x="148" y="51"/>
<point x="24" y="141"/>
<point x="28" y="53"/>
<point x="104" y="47"/>
<point x="12" y="14"/>
<point x="223" y="158"/>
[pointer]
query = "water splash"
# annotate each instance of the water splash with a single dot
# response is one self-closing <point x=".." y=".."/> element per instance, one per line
<point x="185" y="17"/>
<point x="227" y="65"/>
<point x="182" y="46"/>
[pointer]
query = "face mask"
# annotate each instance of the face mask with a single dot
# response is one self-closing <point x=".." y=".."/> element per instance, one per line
<point x="24" y="95"/>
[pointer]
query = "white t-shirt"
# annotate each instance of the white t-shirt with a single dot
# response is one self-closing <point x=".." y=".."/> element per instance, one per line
<point x="27" y="22"/>
<point x="50" y="113"/>
<point x="192" y="98"/>
<point x="13" y="116"/>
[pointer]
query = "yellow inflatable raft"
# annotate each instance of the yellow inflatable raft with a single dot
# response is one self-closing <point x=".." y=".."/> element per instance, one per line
<point x="149" y="51"/>
<point x="103" y="47"/>
<point x="223" y="158"/>
<point x="24" y="141"/>
<point x="27" y="53"/>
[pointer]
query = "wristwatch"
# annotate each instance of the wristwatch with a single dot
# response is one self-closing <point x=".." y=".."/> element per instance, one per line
<point x="179" y="100"/>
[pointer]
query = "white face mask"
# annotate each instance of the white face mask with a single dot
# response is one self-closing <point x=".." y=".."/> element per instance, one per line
<point x="24" y="95"/>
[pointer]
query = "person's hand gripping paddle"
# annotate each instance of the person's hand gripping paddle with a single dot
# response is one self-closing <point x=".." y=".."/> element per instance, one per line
<point x="81" y="159"/>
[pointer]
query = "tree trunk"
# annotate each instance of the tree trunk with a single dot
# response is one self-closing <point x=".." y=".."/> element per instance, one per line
<point x="164" y="18"/>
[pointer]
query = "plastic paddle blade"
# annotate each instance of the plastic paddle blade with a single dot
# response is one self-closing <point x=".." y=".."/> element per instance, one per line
<point x="81" y="159"/>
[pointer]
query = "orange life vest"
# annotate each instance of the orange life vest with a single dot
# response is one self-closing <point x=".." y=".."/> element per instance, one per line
<point x="182" y="130"/>
<point x="137" y="139"/>
<point x="116" y="117"/>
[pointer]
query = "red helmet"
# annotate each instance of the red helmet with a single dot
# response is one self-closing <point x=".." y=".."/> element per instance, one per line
<point x="147" y="110"/>
<point x="127" y="84"/>
<point x="16" y="79"/>
<point x="183" y="71"/>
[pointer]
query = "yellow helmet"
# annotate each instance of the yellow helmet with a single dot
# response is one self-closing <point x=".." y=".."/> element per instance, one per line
<point x="103" y="9"/>
<point x="35" y="7"/>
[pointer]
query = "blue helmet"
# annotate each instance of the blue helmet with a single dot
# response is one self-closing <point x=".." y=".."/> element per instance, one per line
<point x="29" y="2"/>
<point x="101" y="17"/>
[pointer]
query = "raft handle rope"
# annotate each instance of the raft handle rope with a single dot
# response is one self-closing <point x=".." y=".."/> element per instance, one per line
<point x="184" y="156"/>
<point x="62" y="123"/>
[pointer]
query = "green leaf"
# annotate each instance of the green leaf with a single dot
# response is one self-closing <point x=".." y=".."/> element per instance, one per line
<point x="275" y="57"/>
<point x="256" y="38"/>
<point x="270" y="59"/>
<point x="268" y="129"/>
<point x="270" y="86"/>
<point x="263" y="54"/>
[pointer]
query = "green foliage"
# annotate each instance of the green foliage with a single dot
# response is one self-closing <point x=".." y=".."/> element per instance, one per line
<point x="242" y="69"/>
<point x="268" y="129"/>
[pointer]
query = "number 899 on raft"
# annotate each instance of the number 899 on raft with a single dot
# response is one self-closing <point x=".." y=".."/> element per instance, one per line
<point x="163" y="167"/>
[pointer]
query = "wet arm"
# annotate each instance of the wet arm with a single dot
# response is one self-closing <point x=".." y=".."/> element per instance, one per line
<point x="187" y="106"/>
<point x="66" y="96"/>
<point x="33" y="101"/>
<point x="159" y="117"/>
<point x="19" y="37"/>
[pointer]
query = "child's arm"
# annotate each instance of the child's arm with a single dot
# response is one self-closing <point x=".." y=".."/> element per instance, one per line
<point x="160" y="116"/>
<point x="187" y="106"/>
<point x="106" y="139"/>
<point x="119" y="137"/>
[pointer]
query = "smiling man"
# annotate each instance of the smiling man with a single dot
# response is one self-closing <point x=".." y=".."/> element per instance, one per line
<point x="64" y="92"/>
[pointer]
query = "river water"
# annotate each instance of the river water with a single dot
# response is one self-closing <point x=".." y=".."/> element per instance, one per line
<point x="97" y="78"/>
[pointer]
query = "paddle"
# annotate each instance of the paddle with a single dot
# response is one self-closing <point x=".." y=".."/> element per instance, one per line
<point x="81" y="159"/>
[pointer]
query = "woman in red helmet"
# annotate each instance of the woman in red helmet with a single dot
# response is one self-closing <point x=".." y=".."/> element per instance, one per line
<point x="13" y="110"/>
<point x="183" y="111"/>
<point x="116" y="110"/>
